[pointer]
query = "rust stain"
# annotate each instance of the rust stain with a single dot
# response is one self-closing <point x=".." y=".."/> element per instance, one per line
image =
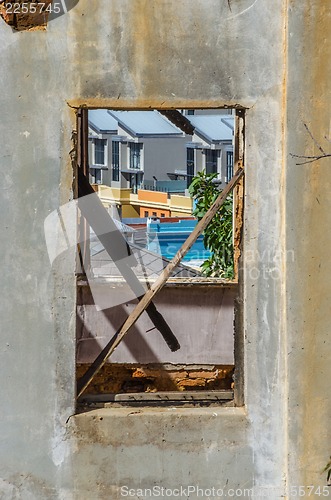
<point x="283" y="119"/>
<point x="238" y="221"/>
<point x="152" y="42"/>
<point x="314" y="221"/>
<point x="239" y="148"/>
<point x="149" y="103"/>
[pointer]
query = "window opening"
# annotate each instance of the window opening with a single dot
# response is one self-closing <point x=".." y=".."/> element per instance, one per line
<point x="229" y="165"/>
<point x="135" y="182"/>
<point x="135" y="155"/>
<point x="211" y="161"/>
<point x="98" y="176"/>
<point x="115" y="161"/>
<point x="190" y="166"/>
<point x="99" y="151"/>
<point x="144" y="366"/>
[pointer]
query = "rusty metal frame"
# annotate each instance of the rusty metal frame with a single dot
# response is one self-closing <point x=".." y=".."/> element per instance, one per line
<point x="238" y="202"/>
<point x="83" y="165"/>
<point x="238" y="209"/>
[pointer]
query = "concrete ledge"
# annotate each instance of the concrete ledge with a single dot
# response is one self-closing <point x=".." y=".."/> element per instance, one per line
<point x="228" y="415"/>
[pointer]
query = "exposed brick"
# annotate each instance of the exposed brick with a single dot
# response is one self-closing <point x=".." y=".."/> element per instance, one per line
<point x="143" y="373"/>
<point x="192" y="382"/>
<point x="203" y="374"/>
<point x="122" y="378"/>
<point x="178" y="375"/>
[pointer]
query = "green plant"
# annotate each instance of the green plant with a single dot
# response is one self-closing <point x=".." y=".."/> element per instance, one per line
<point x="218" y="235"/>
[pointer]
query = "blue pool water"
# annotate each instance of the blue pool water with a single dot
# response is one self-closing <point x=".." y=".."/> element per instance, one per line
<point x="167" y="238"/>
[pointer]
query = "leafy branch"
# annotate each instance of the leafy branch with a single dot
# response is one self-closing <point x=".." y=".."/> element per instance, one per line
<point x="311" y="159"/>
<point x="218" y="234"/>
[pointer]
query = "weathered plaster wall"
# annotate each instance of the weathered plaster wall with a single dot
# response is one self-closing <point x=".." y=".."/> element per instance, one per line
<point x="175" y="53"/>
<point x="308" y="219"/>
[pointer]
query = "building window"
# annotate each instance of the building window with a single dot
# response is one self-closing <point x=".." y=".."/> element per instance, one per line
<point x="146" y="213"/>
<point x="229" y="165"/>
<point x="211" y="161"/>
<point x="115" y="162"/>
<point x="135" y="155"/>
<point x="189" y="165"/>
<point x="190" y="112"/>
<point x="162" y="215"/>
<point x="100" y="156"/>
<point x="135" y="182"/>
<point x="98" y="176"/>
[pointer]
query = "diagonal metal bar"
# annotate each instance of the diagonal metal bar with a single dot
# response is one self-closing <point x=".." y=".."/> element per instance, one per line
<point x="156" y="287"/>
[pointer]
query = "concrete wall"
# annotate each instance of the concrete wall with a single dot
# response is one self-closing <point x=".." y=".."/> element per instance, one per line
<point x="308" y="217"/>
<point x="272" y="58"/>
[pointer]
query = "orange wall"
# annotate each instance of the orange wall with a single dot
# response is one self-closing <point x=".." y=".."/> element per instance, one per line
<point x="151" y="211"/>
<point x="154" y="196"/>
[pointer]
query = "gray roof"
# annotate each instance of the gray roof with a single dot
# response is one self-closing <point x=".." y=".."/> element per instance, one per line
<point x="213" y="128"/>
<point x="229" y="121"/>
<point x="101" y="121"/>
<point x="145" y="123"/>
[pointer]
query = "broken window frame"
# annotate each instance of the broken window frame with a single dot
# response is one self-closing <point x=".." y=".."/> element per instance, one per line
<point x="203" y="395"/>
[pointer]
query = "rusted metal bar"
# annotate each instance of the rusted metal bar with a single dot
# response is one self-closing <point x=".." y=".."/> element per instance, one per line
<point x="238" y="193"/>
<point x="85" y="228"/>
<point x="238" y="210"/>
<point x="80" y="224"/>
<point x="157" y="286"/>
